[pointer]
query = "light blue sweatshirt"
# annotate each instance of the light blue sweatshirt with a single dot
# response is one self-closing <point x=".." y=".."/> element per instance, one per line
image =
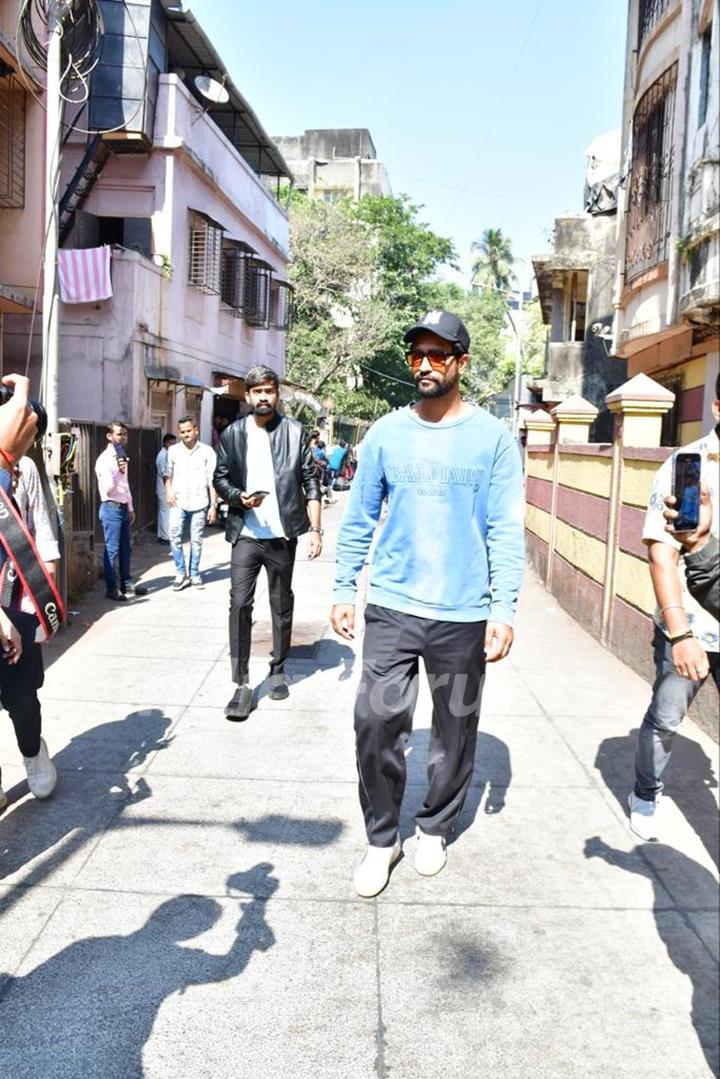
<point x="452" y="546"/>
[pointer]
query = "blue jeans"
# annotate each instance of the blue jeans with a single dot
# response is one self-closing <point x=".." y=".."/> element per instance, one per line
<point x="115" y="521"/>
<point x="671" y="698"/>
<point x="196" y="519"/>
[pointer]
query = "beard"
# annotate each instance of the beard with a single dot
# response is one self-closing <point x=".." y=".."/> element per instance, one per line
<point x="263" y="410"/>
<point x="437" y="387"/>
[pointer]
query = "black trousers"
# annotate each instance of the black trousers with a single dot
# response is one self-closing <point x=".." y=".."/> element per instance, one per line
<point x="247" y="559"/>
<point x="454" y="658"/>
<point x="19" y="683"/>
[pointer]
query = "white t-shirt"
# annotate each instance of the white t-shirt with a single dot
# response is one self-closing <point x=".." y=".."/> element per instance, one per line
<point x="161" y="469"/>
<point x="263" y="522"/>
<point x="191" y="475"/>
<point x="703" y="625"/>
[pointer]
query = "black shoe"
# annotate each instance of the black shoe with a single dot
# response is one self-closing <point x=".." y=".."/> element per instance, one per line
<point x="279" y="689"/>
<point x="131" y="589"/>
<point x="119" y="597"/>
<point x="240" y="706"/>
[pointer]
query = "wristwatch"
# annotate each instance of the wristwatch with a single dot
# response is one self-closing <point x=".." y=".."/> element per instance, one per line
<point x="314" y="529"/>
<point x="685" y="636"/>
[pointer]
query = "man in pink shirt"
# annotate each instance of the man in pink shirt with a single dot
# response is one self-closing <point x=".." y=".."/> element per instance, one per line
<point x="116" y="513"/>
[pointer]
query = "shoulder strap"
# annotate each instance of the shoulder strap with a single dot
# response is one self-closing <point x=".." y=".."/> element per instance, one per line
<point x="24" y="563"/>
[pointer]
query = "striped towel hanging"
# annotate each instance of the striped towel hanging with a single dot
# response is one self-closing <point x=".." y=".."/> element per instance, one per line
<point x="84" y="274"/>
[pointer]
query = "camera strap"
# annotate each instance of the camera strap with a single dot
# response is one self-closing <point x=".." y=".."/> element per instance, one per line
<point x="24" y="570"/>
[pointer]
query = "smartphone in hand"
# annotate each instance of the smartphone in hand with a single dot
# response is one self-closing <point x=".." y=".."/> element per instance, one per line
<point x="258" y="494"/>
<point x="686" y="491"/>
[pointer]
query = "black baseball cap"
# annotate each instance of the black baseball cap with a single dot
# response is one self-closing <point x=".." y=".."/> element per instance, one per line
<point x="444" y="324"/>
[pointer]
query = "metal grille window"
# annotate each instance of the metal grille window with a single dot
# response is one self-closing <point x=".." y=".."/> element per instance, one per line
<point x="257" y="292"/>
<point x="648" y="222"/>
<point x="235" y="259"/>
<point x="649" y="12"/>
<point x="281" y="305"/>
<point x="205" y="253"/>
<point x="12" y="143"/>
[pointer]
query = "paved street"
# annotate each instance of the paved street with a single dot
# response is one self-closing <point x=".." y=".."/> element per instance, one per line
<point x="183" y="906"/>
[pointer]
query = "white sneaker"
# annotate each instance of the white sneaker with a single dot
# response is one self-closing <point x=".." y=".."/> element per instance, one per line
<point x="41" y="773"/>
<point x="430" y="853"/>
<point x="3" y="799"/>
<point x="180" y="582"/>
<point x="644" y="816"/>
<point x="196" y="581"/>
<point x="373" y="873"/>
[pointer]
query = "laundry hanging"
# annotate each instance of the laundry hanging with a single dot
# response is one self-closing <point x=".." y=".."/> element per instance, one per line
<point x="84" y="274"/>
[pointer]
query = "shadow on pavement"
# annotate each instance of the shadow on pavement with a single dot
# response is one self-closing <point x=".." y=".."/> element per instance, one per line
<point x="491" y="778"/>
<point x="90" y="1009"/>
<point x="93" y="788"/>
<point x="290" y="831"/>
<point x="684" y="948"/>
<point x="690" y="781"/>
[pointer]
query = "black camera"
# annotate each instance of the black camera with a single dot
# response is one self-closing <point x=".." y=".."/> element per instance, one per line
<point x="6" y="393"/>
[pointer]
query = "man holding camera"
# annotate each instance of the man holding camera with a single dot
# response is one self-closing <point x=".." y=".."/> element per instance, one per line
<point x="116" y="513"/>
<point x="686" y="641"/>
<point x="266" y="474"/>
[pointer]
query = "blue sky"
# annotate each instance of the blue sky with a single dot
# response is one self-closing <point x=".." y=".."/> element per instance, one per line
<point x="480" y="109"/>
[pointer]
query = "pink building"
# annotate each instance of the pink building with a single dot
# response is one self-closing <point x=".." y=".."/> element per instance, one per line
<point x="185" y="189"/>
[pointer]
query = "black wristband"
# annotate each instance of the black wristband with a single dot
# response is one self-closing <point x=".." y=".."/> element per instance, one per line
<point x="681" y="637"/>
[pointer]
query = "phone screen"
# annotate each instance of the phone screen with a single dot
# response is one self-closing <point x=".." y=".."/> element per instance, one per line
<point x="686" y="490"/>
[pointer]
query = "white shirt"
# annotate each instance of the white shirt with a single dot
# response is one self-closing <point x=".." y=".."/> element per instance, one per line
<point x="263" y="522"/>
<point x="191" y="475"/>
<point x="161" y="468"/>
<point x="702" y="623"/>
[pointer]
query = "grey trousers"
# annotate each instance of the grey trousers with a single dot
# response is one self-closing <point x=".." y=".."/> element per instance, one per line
<point x="672" y="696"/>
<point x="454" y="658"/>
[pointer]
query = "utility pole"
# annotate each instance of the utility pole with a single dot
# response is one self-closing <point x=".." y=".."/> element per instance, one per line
<point x="518" y="368"/>
<point x="51" y="325"/>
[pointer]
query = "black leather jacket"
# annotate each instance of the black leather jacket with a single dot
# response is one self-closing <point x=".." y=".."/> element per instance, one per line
<point x="296" y="481"/>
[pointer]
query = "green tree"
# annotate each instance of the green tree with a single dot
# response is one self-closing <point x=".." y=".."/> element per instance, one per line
<point x="493" y="266"/>
<point x="362" y="272"/>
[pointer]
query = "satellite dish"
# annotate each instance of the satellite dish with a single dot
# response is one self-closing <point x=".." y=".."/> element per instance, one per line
<point x="212" y="90"/>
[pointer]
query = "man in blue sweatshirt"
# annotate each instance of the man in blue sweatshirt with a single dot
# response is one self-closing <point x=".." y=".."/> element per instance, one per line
<point x="444" y="581"/>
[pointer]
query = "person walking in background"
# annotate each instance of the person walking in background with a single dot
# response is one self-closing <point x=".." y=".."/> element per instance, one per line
<point x="163" y="510"/>
<point x="116" y="514"/>
<point x="266" y="474"/>
<point x="686" y="643"/>
<point x="336" y="460"/>
<point x="443" y="586"/>
<point x="192" y="500"/>
<point x="21" y="662"/>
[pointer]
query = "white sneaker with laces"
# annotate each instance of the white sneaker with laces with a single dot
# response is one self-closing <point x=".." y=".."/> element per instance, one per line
<point x="430" y="853"/>
<point x="196" y="581"/>
<point x="180" y="582"/>
<point x="644" y="817"/>
<point x="373" y="873"/>
<point x="41" y="773"/>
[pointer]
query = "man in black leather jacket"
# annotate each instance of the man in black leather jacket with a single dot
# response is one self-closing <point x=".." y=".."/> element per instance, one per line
<point x="266" y="474"/>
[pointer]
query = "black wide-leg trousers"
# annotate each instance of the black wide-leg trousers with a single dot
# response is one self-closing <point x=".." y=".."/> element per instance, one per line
<point x="247" y="559"/>
<point x="454" y="657"/>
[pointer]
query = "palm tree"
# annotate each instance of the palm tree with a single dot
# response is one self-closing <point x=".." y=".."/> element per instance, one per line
<point x="493" y="267"/>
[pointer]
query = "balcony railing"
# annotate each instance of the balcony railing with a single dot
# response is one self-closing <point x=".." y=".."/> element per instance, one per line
<point x="649" y="12"/>
<point x="649" y="209"/>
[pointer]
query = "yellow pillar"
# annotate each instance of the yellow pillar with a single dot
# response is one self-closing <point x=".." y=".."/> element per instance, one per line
<point x="540" y="427"/>
<point x="574" y="418"/>
<point x="640" y="405"/>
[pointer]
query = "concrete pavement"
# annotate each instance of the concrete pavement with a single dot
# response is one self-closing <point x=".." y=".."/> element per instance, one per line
<point x="183" y="906"/>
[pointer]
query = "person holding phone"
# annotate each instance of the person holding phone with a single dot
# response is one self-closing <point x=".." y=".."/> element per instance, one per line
<point x="189" y="492"/>
<point x="266" y="474"/>
<point x="687" y="637"/>
<point x="701" y="553"/>
<point x="117" y="515"/>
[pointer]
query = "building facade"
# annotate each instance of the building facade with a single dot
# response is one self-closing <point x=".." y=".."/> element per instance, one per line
<point x="667" y="288"/>
<point x="332" y="163"/>
<point x="182" y="183"/>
